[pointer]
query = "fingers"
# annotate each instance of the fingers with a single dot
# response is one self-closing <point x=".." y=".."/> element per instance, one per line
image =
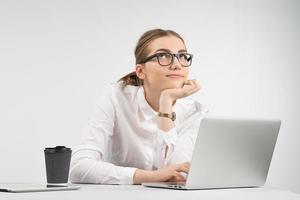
<point x="192" y="86"/>
<point x="179" y="177"/>
<point x="194" y="83"/>
<point x="176" y="176"/>
<point x="187" y="163"/>
<point x="197" y="84"/>
<point x="189" y="87"/>
<point x="184" y="167"/>
<point x="177" y="172"/>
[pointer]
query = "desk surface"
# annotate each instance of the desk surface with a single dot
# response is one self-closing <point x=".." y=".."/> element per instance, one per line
<point x="107" y="192"/>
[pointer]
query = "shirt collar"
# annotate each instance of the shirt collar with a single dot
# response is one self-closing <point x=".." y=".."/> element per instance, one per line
<point x="145" y="108"/>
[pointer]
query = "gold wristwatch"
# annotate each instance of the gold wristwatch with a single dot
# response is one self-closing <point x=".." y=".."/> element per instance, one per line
<point x="172" y="115"/>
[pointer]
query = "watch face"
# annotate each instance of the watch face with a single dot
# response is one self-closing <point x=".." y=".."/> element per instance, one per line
<point x="173" y="116"/>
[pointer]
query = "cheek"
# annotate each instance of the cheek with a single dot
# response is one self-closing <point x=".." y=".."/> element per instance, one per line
<point x="154" y="73"/>
<point x="186" y="72"/>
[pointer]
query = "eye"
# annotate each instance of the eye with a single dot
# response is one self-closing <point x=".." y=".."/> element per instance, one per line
<point x="185" y="56"/>
<point x="164" y="56"/>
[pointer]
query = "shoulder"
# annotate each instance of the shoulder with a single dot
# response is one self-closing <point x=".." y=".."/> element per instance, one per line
<point x="115" y="96"/>
<point x="117" y="92"/>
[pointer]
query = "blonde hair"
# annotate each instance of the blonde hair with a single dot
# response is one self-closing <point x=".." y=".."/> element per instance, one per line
<point x="141" y="51"/>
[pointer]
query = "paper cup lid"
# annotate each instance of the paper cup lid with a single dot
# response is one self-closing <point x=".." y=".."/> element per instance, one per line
<point x="57" y="149"/>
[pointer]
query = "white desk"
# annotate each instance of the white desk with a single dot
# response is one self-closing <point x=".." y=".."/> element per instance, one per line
<point x="121" y="192"/>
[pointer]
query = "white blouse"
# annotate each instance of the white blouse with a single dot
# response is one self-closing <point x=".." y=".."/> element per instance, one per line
<point x="123" y="135"/>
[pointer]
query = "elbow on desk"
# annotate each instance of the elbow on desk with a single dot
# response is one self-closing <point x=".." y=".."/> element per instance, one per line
<point x="79" y="171"/>
<point x="89" y="170"/>
<point x="76" y="173"/>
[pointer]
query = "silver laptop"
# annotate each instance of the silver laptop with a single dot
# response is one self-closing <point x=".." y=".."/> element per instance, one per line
<point x="229" y="153"/>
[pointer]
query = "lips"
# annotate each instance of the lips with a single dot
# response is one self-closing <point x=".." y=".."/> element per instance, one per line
<point x="174" y="76"/>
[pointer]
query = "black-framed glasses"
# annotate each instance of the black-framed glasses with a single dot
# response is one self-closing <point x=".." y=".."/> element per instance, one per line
<point x="166" y="58"/>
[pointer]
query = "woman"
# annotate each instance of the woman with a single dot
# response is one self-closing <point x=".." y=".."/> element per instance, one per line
<point x="135" y="135"/>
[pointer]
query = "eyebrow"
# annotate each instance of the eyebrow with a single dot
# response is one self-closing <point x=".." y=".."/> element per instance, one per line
<point x="169" y="51"/>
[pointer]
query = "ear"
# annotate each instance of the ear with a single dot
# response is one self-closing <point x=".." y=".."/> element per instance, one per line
<point x="140" y="71"/>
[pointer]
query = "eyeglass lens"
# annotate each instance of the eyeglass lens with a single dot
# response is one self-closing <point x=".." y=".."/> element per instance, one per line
<point x="165" y="59"/>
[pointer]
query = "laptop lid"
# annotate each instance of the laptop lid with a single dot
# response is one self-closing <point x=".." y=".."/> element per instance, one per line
<point x="232" y="153"/>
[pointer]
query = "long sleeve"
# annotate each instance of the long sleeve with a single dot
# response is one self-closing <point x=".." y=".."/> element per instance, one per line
<point x="88" y="165"/>
<point x="180" y="140"/>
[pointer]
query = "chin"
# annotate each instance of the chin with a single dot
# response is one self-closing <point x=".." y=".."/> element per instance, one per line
<point x="174" y="84"/>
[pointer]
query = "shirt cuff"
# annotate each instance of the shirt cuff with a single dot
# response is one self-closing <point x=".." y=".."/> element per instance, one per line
<point x="169" y="137"/>
<point x="127" y="175"/>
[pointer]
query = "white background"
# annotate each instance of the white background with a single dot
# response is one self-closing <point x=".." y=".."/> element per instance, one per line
<point x="56" y="57"/>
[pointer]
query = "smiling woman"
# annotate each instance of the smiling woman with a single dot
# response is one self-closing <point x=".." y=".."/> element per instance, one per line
<point x="135" y="135"/>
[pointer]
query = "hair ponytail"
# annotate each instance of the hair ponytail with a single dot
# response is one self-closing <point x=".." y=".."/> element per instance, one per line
<point x="131" y="79"/>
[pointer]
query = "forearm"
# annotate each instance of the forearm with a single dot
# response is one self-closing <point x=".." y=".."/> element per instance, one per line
<point x="170" y="173"/>
<point x="87" y="167"/>
<point x="165" y="106"/>
<point x="141" y="176"/>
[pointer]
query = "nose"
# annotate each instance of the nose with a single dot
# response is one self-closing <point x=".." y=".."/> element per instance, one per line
<point x="176" y="65"/>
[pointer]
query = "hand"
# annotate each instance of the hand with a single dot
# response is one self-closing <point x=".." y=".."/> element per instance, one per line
<point x="190" y="87"/>
<point x="169" y="173"/>
<point x="172" y="173"/>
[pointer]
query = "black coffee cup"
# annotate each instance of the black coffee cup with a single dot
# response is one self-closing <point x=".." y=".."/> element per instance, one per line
<point x="57" y="165"/>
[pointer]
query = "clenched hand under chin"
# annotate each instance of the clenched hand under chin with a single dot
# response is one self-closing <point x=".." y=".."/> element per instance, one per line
<point x="189" y="88"/>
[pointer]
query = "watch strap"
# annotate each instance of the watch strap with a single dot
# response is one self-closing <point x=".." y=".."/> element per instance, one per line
<point x="171" y="116"/>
